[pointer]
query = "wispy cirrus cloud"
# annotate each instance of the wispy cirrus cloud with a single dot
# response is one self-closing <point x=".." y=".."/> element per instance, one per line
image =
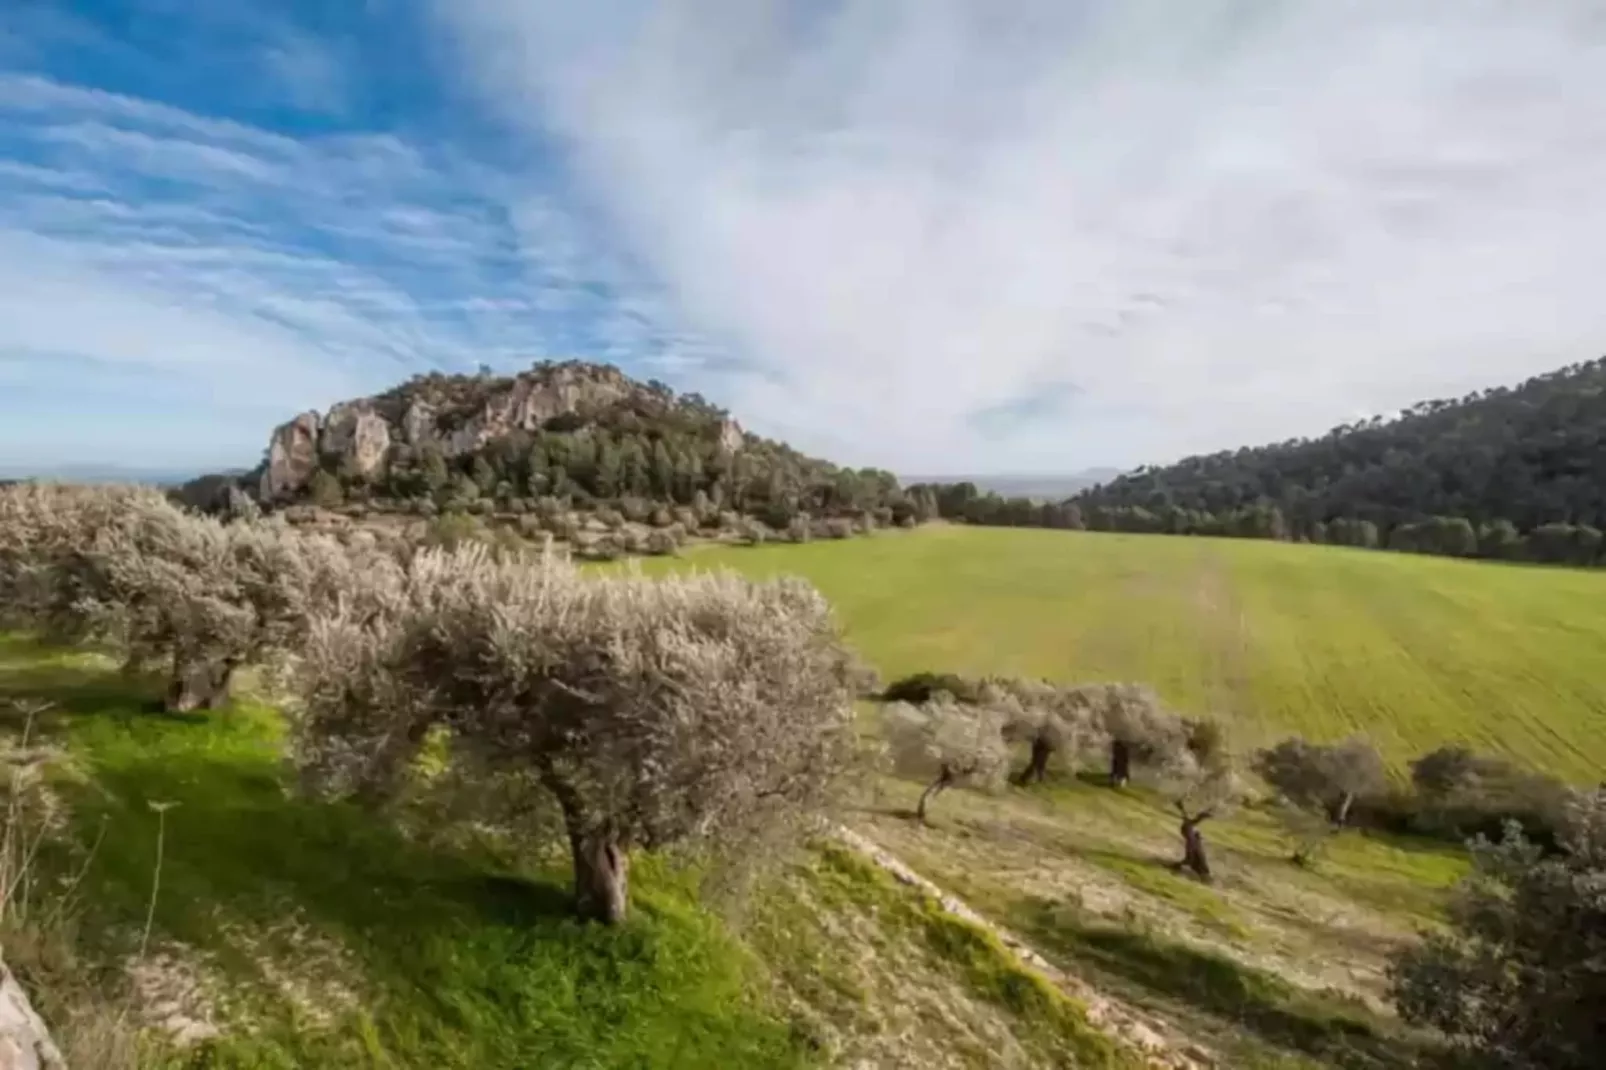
<point x="1218" y="221"/>
<point x="244" y="274"/>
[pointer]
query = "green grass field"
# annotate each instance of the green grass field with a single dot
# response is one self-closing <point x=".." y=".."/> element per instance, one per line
<point x="1274" y="638"/>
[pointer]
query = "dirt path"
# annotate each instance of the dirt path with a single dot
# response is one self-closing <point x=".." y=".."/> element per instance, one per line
<point x="1156" y="1042"/>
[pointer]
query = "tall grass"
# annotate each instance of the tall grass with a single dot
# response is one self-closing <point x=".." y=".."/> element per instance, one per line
<point x="90" y="1016"/>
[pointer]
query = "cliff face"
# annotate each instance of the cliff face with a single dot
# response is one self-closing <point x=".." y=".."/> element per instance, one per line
<point x="456" y="415"/>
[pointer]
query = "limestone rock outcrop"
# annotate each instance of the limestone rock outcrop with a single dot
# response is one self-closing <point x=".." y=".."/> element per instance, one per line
<point x="292" y="456"/>
<point x="355" y="438"/>
<point x="458" y="415"/>
<point x="25" y="1043"/>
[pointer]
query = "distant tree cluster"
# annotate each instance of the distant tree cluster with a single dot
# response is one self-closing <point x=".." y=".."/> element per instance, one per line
<point x="1513" y="473"/>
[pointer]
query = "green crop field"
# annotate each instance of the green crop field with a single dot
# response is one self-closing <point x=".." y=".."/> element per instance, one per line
<point x="1274" y="638"/>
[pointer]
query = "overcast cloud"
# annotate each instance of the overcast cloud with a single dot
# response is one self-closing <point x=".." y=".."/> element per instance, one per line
<point x="970" y="235"/>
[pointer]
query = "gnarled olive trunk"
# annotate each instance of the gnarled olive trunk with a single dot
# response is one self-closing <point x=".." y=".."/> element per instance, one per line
<point x="1338" y="812"/>
<point x="601" y="877"/>
<point x="601" y="858"/>
<point x="945" y="777"/>
<point x="1120" y="763"/>
<point x="198" y="686"/>
<point x="1193" y="848"/>
<point x="1037" y="767"/>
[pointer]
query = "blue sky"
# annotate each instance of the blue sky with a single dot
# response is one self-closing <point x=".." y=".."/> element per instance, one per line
<point x="923" y="234"/>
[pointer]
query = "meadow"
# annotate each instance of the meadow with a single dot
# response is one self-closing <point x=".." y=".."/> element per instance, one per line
<point x="308" y="934"/>
<point x="1273" y="638"/>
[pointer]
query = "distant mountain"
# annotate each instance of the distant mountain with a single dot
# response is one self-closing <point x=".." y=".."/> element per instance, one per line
<point x="1037" y="487"/>
<point x="97" y="473"/>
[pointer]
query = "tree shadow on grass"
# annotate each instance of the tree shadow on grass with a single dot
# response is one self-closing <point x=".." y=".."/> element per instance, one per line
<point x="462" y="957"/>
<point x="235" y="835"/>
<point x="1331" y="1027"/>
<point x="70" y="689"/>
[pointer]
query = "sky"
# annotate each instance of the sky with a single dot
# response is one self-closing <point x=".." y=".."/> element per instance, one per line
<point x="925" y="235"/>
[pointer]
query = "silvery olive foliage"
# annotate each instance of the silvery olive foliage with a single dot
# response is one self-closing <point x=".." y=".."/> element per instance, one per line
<point x="129" y="570"/>
<point x="1328" y="778"/>
<point x="655" y="712"/>
<point x="1051" y="720"/>
<point x="947" y="743"/>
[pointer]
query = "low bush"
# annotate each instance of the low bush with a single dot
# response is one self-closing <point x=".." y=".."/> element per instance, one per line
<point x="922" y="687"/>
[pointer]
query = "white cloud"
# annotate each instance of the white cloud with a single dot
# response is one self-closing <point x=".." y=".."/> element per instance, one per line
<point x="251" y="273"/>
<point x="1197" y="225"/>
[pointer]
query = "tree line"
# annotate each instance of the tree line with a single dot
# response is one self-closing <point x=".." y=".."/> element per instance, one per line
<point x="1511" y="473"/>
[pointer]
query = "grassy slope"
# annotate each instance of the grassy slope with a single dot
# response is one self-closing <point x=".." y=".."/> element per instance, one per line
<point x="1413" y="650"/>
<point x="1271" y="965"/>
<point x="315" y="936"/>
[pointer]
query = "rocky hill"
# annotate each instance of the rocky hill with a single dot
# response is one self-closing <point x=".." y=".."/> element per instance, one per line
<point x="569" y="435"/>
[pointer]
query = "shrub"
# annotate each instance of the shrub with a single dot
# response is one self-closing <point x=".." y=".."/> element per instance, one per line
<point x="603" y="548"/>
<point x="839" y="528"/>
<point x="922" y="687"/>
<point x="1519" y="980"/>
<point x="661" y="542"/>
<point x="1460" y="795"/>
<point x="1321" y="786"/>
<point x="690" y="710"/>
<point x="453" y="530"/>
<point x="751" y="532"/>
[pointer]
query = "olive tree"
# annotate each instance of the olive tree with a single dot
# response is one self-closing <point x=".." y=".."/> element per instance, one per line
<point x="1141" y="731"/>
<point x="1199" y="793"/>
<point x="1195" y="770"/>
<point x="1518" y="982"/>
<point x="946" y="744"/>
<point x="131" y="570"/>
<point x="1051" y="720"/>
<point x="42" y="527"/>
<point x="680" y="711"/>
<point x="1319" y="784"/>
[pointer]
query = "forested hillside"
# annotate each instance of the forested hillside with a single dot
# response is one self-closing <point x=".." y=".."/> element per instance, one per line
<point x="1509" y="472"/>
